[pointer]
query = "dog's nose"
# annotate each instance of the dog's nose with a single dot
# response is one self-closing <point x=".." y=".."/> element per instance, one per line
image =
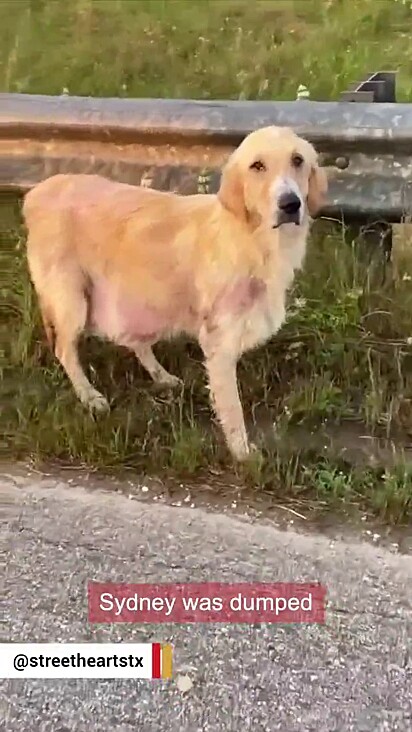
<point x="289" y="206"/>
<point x="289" y="203"/>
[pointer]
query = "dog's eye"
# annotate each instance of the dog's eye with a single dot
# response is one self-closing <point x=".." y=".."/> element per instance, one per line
<point x="258" y="165"/>
<point x="297" y="160"/>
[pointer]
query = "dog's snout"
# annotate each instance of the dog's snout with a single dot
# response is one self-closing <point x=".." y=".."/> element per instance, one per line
<point x="289" y="203"/>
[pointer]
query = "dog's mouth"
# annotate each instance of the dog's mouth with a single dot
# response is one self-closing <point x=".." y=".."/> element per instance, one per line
<point x="283" y="223"/>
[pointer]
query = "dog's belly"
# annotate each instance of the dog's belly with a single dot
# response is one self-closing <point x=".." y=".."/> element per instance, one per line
<point x="126" y="320"/>
<point x="244" y="311"/>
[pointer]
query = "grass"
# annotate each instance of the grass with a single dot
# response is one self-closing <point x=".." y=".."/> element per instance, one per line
<point x="342" y="362"/>
<point x="200" y="49"/>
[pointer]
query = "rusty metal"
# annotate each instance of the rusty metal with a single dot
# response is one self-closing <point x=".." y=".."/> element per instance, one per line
<point x="177" y="144"/>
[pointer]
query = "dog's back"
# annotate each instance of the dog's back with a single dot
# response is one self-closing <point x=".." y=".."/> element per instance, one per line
<point x="67" y="203"/>
<point x="93" y="219"/>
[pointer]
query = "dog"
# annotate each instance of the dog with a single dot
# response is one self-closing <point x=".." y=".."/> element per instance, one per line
<point x="135" y="265"/>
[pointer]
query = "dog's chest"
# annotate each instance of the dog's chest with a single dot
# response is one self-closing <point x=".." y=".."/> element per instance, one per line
<point x="248" y="312"/>
<point x="262" y="319"/>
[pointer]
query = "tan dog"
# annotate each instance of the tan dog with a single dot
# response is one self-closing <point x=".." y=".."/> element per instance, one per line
<point x="137" y="265"/>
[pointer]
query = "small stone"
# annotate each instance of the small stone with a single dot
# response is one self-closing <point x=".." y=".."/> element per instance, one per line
<point x="184" y="683"/>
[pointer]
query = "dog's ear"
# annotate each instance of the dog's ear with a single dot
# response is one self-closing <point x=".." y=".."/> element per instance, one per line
<point x="231" y="192"/>
<point x="318" y="187"/>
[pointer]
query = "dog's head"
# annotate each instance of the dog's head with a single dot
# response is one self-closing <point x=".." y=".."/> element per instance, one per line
<point x="273" y="179"/>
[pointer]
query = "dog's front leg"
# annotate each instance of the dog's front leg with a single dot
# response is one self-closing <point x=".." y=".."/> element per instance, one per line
<point x="221" y="370"/>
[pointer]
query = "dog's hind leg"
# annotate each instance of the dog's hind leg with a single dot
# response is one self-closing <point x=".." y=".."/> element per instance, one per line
<point x="64" y="309"/>
<point x="67" y="353"/>
<point x="160" y="376"/>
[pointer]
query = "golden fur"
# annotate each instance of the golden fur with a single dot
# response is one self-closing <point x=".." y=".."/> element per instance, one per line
<point x="137" y="265"/>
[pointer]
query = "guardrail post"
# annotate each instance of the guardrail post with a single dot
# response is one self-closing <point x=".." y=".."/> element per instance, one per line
<point x="378" y="87"/>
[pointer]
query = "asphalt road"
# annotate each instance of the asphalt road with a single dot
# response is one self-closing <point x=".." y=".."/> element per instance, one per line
<point x="354" y="673"/>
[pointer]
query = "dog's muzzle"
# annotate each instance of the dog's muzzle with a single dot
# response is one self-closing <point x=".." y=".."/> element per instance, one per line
<point x="289" y="205"/>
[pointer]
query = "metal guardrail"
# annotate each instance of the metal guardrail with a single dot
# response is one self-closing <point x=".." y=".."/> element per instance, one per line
<point x="180" y="145"/>
<point x="378" y="87"/>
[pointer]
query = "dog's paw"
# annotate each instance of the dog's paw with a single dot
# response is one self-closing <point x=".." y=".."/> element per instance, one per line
<point x="96" y="402"/>
<point x="247" y="454"/>
<point x="168" y="381"/>
<point x="240" y="450"/>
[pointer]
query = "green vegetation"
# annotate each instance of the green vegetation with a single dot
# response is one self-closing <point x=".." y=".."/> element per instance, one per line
<point x="201" y="49"/>
<point x="337" y="379"/>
